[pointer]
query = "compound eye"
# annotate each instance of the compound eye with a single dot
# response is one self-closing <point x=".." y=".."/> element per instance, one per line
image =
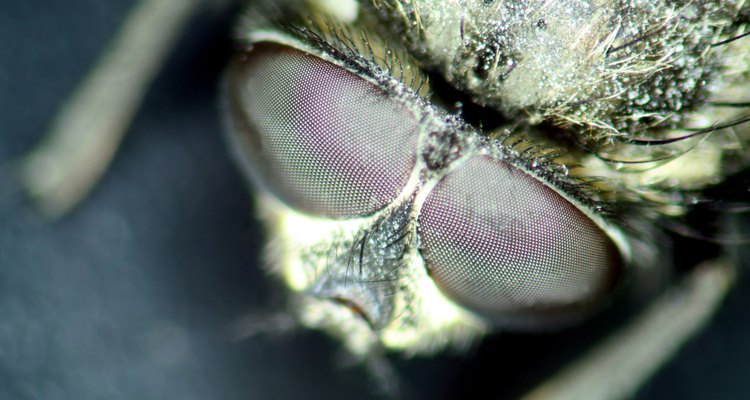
<point x="504" y="244"/>
<point x="322" y="139"/>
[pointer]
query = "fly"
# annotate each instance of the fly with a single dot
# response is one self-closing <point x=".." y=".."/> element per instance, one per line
<point x="401" y="223"/>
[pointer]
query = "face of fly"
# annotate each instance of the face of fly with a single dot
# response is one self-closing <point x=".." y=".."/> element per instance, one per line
<point x="400" y="218"/>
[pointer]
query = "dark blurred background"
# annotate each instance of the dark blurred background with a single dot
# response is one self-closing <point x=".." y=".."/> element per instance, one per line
<point x="132" y="294"/>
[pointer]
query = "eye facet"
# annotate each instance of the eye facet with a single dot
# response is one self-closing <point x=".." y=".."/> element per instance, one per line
<point x="322" y="139"/>
<point x="502" y="243"/>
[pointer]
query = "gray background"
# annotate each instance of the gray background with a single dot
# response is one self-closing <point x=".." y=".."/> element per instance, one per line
<point x="130" y="296"/>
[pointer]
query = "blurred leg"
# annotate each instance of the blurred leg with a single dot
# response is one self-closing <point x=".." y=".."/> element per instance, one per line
<point x="85" y="134"/>
<point x="617" y="367"/>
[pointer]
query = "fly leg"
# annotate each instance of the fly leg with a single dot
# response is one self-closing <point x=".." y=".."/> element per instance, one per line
<point x="617" y="367"/>
<point x="86" y="132"/>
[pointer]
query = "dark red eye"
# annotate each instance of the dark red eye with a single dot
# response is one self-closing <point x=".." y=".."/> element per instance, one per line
<point x="502" y="243"/>
<point x="322" y="139"/>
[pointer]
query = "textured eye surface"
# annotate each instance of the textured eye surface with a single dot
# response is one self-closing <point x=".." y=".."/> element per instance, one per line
<point x="324" y="140"/>
<point x="500" y="242"/>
